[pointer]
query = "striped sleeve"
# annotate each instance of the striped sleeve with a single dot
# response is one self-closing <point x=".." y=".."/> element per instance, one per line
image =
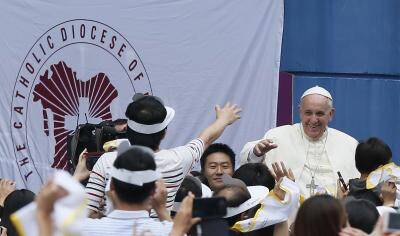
<point x="191" y="154"/>
<point x="172" y="179"/>
<point x="95" y="188"/>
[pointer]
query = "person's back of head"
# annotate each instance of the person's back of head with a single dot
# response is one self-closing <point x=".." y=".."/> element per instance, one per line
<point x="189" y="184"/>
<point x="371" y="154"/>
<point x="13" y="202"/>
<point x="235" y="196"/>
<point x="320" y="215"/>
<point x="136" y="159"/>
<point x="148" y="120"/>
<point x="255" y="174"/>
<point x="362" y="214"/>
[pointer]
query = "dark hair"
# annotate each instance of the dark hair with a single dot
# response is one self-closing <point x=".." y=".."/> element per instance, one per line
<point x="119" y="121"/>
<point x="148" y="140"/>
<point x="320" y="215"/>
<point x="362" y="214"/>
<point x="134" y="159"/>
<point x="371" y="154"/>
<point x="147" y="110"/>
<point x="195" y="173"/>
<point x="214" y="148"/>
<point x="255" y="174"/>
<point x="13" y="202"/>
<point x="191" y="184"/>
<point x="234" y="195"/>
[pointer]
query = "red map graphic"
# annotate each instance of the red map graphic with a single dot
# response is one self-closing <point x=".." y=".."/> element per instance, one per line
<point x="60" y="93"/>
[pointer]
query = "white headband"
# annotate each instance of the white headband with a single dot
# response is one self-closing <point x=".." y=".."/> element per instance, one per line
<point x="151" y="129"/>
<point x="317" y="90"/>
<point x="135" y="177"/>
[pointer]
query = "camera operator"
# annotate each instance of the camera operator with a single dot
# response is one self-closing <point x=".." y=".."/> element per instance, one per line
<point x="95" y="140"/>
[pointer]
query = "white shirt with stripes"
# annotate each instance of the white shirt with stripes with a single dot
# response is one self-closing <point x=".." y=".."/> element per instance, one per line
<point x="129" y="223"/>
<point x="174" y="164"/>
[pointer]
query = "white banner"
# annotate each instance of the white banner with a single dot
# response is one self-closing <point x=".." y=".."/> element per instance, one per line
<point x="64" y="61"/>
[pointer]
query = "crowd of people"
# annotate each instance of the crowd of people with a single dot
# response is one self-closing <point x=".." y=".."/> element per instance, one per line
<point x="301" y="179"/>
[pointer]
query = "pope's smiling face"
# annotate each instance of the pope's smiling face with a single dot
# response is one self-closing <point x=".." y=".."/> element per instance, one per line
<point x="315" y="113"/>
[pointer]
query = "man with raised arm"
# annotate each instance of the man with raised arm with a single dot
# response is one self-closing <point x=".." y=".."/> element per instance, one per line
<point x="148" y="119"/>
<point x="311" y="149"/>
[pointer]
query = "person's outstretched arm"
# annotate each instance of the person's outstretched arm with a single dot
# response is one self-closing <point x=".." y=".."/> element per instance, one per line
<point x="225" y="116"/>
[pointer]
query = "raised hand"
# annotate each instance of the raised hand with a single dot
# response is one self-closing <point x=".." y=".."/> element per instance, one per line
<point x="278" y="191"/>
<point x="229" y="113"/>
<point x="341" y="192"/>
<point x="81" y="172"/>
<point x="225" y="116"/>
<point x="280" y="171"/>
<point x="47" y="197"/>
<point x="159" y="200"/>
<point x="6" y="187"/>
<point x="263" y="147"/>
<point x="45" y="201"/>
<point x="160" y="195"/>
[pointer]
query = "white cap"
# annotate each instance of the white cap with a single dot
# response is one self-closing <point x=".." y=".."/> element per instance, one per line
<point x="257" y="193"/>
<point x="317" y="90"/>
<point x="151" y="129"/>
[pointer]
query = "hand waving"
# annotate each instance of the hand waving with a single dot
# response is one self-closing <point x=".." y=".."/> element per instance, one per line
<point x="280" y="171"/>
<point x="229" y="113"/>
<point x="6" y="187"/>
<point x="263" y="147"/>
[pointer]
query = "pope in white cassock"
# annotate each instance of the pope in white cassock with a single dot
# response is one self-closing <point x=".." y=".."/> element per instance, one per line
<point x="313" y="151"/>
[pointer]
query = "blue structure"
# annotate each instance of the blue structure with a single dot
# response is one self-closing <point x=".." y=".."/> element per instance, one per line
<point x="353" y="49"/>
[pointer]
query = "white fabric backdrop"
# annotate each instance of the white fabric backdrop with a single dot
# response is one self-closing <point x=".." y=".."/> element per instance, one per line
<point x="57" y="58"/>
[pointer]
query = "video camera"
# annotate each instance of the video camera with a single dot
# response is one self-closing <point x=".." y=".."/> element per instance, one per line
<point x="92" y="137"/>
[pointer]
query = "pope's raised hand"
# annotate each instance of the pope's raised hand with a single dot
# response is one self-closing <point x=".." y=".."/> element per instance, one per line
<point x="263" y="147"/>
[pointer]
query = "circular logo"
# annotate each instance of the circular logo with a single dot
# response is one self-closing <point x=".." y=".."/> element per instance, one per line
<point x="76" y="72"/>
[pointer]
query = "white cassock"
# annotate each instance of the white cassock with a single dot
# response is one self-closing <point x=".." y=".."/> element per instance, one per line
<point x="314" y="163"/>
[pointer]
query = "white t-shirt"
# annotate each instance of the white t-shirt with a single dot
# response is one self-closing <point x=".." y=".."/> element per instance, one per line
<point x="127" y="223"/>
<point x="174" y="164"/>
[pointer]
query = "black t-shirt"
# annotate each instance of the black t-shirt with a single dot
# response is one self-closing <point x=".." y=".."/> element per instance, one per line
<point x="358" y="189"/>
